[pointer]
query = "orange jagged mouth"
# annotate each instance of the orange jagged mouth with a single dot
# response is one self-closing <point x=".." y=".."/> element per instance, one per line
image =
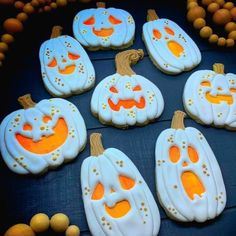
<point x="219" y="98"/>
<point x="119" y="210"/>
<point x="46" y="144"/>
<point x="104" y="32"/>
<point x="68" y="70"/>
<point x="129" y="103"/>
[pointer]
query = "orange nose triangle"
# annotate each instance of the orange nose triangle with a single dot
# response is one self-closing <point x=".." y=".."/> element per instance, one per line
<point x="112" y="190"/>
<point x="185" y="163"/>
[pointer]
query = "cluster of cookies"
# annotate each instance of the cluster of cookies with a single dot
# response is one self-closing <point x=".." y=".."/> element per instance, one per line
<point x="43" y="135"/>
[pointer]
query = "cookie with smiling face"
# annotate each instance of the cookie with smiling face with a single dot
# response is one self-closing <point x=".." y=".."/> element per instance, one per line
<point x="124" y="98"/>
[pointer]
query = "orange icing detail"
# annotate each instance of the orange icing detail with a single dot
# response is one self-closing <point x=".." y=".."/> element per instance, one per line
<point x="119" y="210"/>
<point x="114" y="20"/>
<point x="73" y="56"/>
<point x="192" y="184"/>
<point x="206" y="83"/>
<point x="126" y="182"/>
<point x="233" y="90"/>
<point x="157" y="33"/>
<point x="53" y="63"/>
<point x="98" y="192"/>
<point x="112" y="190"/>
<point x="90" y="21"/>
<point x="113" y="89"/>
<point x="169" y="31"/>
<point x="104" y="32"/>
<point x="46" y="144"/>
<point x="137" y="88"/>
<point x="193" y="155"/>
<point x="46" y="119"/>
<point x="185" y="163"/>
<point x="175" y="48"/>
<point x="129" y="103"/>
<point x="27" y="127"/>
<point x="219" y="98"/>
<point x="68" y="70"/>
<point x="174" y="154"/>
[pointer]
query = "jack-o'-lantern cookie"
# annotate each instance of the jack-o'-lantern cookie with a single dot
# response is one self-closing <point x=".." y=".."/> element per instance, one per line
<point x="124" y="98"/>
<point x="42" y="135"/>
<point x="65" y="66"/>
<point x="210" y="97"/>
<point x="169" y="47"/>
<point x="117" y="201"/>
<point x="189" y="182"/>
<point x="104" y="28"/>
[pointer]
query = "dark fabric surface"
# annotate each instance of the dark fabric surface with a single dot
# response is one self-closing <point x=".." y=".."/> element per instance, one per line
<point x="59" y="190"/>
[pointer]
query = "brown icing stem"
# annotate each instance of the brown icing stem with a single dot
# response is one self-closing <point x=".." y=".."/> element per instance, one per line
<point x="96" y="147"/>
<point x="152" y="15"/>
<point x="26" y="101"/>
<point x="218" y="68"/>
<point x="56" y="31"/>
<point x="178" y="120"/>
<point x="101" y="4"/>
<point x="124" y="59"/>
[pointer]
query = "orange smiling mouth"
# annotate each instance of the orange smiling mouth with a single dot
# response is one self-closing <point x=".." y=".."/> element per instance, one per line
<point x="68" y="70"/>
<point x="129" y="103"/>
<point x="119" y="210"/>
<point x="104" y="32"/>
<point x="219" y="98"/>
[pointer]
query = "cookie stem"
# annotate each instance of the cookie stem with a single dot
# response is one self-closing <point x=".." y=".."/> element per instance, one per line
<point x="101" y="4"/>
<point x="96" y="147"/>
<point x="218" y="68"/>
<point x="124" y="59"/>
<point x="152" y="15"/>
<point x="178" y="120"/>
<point x="56" y="31"/>
<point x="26" y="101"/>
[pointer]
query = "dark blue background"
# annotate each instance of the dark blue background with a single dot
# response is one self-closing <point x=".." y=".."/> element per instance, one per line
<point x="59" y="190"/>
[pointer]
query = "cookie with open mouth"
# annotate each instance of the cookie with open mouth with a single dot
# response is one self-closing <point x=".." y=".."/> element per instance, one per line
<point x="124" y="98"/>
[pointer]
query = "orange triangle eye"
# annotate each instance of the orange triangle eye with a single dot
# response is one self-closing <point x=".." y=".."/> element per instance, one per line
<point x="114" y="20"/>
<point x="169" y="31"/>
<point x="90" y="21"/>
<point x="157" y="33"/>
<point x="126" y="182"/>
<point x="193" y="155"/>
<point x="98" y="192"/>
<point x="73" y="56"/>
<point x="174" y="154"/>
<point x="113" y="89"/>
<point x="27" y="127"/>
<point x="137" y="88"/>
<point x="53" y="63"/>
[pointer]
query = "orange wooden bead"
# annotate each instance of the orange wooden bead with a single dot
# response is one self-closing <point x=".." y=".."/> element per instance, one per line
<point x="230" y="27"/>
<point x="188" y="1"/>
<point x="53" y="5"/>
<point x="6" y="2"/>
<point x="192" y="4"/>
<point x="41" y="2"/>
<point x="28" y="8"/>
<point x="35" y="3"/>
<point x="19" y="5"/>
<point x="221" y="17"/>
<point x="12" y="25"/>
<point x="228" y="5"/>
<point x="206" y="32"/>
<point x="196" y="12"/>
<point x="221" y="41"/>
<point x="213" y="38"/>
<point x="220" y="2"/>
<point x="232" y="35"/>
<point x="47" y="8"/>
<point x="213" y="7"/>
<point x="3" y="47"/>
<point x="7" y="38"/>
<point x="199" y="23"/>
<point x="233" y="13"/>
<point x="230" y="42"/>
<point x="22" y="17"/>
<point x="2" y="56"/>
<point x="206" y="2"/>
<point x="61" y="3"/>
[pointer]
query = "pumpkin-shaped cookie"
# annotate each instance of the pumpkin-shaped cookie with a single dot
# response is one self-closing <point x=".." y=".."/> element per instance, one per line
<point x="104" y="28"/>
<point x="65" y="66"/>
<point x="117" y="201"/>
<point x="42" y="135"/>
<point x="210" y="97"/>
<point x="169" y="47"/>
<point x="124" y="99"/>
<point x="189" y="182"/>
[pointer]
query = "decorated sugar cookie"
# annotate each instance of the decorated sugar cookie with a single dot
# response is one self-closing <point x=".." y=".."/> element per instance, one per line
<point x="169" y="47"/>
<point x="117" y="201"/>
<point x="42" y="135"/>
<point x="104" y="28"/>
<point x="65" y="66"/>
<point x="210" y="97"/>
<point x="124" y="98"/>
<point x="189" y="182"/>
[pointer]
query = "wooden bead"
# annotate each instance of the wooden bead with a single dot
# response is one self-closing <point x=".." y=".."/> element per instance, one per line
<point x="232" y="35"/>
<point x="73" y="230"/>
<point x="221" y="17"/>
<point x="228" y="5"/>
<point x="229" y="43"/>
<point x="231" y="26"/>
<point x="19" y="5"/>
<point x="3" y="47"/>
<point x="22" y="17"/>
<point x="196" y="12"/>
<point x="41" y="2"/>
<point x="188" y="1"/>
<point x="233" y="13"/>
<point x="191" y="5"/>
<point x="20" y="230"/>
<point x="35" y="3"/>
<point x="28" y="8"/>
<point x="47" y="8"/>
<point x="12" y="25"/>
<point x="59" y="222"/>
<point x="61" y="3"/>
<point x="53" y="5"/>
<point x="206" y="2"/>
<point x="213" y="38"/>
<point x="2" y="56"/>
<point x="213" y="7"/>
<point x="220" y="2"/>
<point x="6" y="2"/>
<point x="7" y="38"/>
<point x="39" y="223"/>
<point x="221" y="41"/>
<point x="206" y="32"/>
<point x="40" y="10"/>
<point x="199" y="23"/>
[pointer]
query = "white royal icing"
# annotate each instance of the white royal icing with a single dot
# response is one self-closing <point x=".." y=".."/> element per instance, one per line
<point x="82" y="76"/>
<point x="22" y="161"/>
<point x="198" y="106"/>
<point x="123" y="33"/>
<point x="159" y="52"/>
<point x="171" y="193"/>
<point x="142" y="219"/>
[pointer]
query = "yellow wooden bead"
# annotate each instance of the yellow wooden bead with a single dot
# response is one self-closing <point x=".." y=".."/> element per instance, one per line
<point x="61" y="3"/>
<point x="53" y="5"/>
<point x="188" y="1"/>
<point x="232" y="35"/>
<point x="206" y="2"/>
<point x="213" y="7"/>
<point x="2" y="56"/>
<point x="7" y="38"/>
<point x="22" y="17"/>
<point x="221" y="41"/>
<point x="220" y="2"/>
<point x="59" y="222"/>
<point x="228" y="5"/>
<point x="213" y="38"/>
<point x="3" y="47"/>
<point x="199" y="23"/>
<point x="231" y="26"/>
<point x="230" y="42"/>
<point x="20" y="230"/>
<point x="206" y="32"/>
<point x="39" y="222"/>
<point x="28" y="8"/>
<point x="73" y="230"/>
<point x="192" y="4"/>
